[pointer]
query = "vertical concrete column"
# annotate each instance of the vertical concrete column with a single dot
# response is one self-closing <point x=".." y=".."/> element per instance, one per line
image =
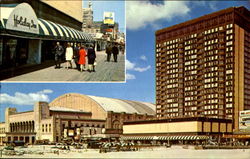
<point x="29" y="126"/>
<point x="38" y="109"/>
<point x="8" y="112"/>
<point x="109" y="120"/>
<point x="33" y="126"/>
<point x="30" y="139"/>
<point x="17" y="127"/>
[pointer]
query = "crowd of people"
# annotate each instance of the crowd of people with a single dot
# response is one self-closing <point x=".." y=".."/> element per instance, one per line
<point x="82" y="56"/>
<point x="75" y="53"/>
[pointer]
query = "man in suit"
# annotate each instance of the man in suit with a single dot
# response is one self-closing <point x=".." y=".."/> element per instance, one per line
<point x="115" y="52"/>
<point x="108" y="51"/>
<point x="58" y="55"/>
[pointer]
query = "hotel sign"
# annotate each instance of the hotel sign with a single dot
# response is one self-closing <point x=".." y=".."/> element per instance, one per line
<point x="24" y="19"/>
<point x="109" y="18"/>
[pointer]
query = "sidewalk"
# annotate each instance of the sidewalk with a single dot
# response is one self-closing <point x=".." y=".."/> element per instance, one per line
<point x="105" y="71"/>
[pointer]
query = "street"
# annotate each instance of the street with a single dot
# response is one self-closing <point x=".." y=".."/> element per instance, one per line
<point x="105" y="71"/>
<point x="157" y="152"/>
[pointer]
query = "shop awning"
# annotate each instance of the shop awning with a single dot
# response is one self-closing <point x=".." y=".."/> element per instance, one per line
<point x="60" y="32"/>
<point x="165" y="138"/>
<point x="45" y="29"/>
<point x="53" y="31"/>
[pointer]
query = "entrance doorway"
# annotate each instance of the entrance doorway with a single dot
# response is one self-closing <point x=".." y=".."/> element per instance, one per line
<point x="27" y="139"/>
<point x="47" y="50"/>
<point x="14" y="52"/>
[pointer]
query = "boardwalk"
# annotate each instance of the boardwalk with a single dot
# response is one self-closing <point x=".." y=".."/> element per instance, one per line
<point x="105" y="72"/>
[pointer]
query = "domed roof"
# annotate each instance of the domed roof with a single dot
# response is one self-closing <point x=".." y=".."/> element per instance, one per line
<point x="118" y="105"/>
<point x="93" y="103"/>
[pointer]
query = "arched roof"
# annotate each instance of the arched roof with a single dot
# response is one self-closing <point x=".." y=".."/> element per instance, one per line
<point x="118" y="105"/>
<point x="82" y="102"/>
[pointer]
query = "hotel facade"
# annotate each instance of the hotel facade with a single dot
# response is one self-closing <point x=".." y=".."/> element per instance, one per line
<point x="203" y="67"/>
<point x="202" y="81"/>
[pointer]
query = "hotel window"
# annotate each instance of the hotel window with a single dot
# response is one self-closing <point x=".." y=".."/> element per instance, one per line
<point x="49" y="127"/>
<point x="42" y="127"/>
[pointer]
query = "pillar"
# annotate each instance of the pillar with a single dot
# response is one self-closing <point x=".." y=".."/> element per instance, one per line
<point x="30" y="139"/>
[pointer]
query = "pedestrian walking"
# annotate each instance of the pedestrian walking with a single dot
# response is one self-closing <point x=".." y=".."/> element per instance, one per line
<point x="91" y="58"/>
<point x="82" y="60"/>
<point x="115" y="52"/>
<point x="58" y="55"/>
<point x="108" y="51"/>
<point x="69" y="56"/>
<point x="76" y="55"/>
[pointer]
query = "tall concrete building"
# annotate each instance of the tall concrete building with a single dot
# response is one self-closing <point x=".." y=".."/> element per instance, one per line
<point x="203" y="67"/>
<point x="87" y="17"/>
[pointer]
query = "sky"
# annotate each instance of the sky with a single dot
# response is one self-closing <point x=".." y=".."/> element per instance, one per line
<point x="143" y="19"/>
<point x="116" y="6"/>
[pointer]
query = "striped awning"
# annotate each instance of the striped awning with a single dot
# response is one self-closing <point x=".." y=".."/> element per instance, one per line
<point x="165" y="138"/>
<point x="53" y="31"/>
<point x="47" y="29"/>
<point x="61" y="32"/>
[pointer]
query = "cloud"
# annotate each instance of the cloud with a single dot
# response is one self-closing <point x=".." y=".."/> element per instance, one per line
<point x="129" y="65"/>
<point x="143" y="13"/>
<point x="46" y="91"/>
<point x="25" y="99"/>
<point x="143" y="57"/>
<point x="132" y="66"/>
<point x="130" y="76"/>
<point x="142" y="69"/>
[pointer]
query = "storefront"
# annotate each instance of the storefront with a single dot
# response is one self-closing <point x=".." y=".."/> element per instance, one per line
<point x="26" y="39"/>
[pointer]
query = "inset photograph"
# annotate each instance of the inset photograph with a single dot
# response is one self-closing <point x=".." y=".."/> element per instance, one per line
<point x="62" y="41"/>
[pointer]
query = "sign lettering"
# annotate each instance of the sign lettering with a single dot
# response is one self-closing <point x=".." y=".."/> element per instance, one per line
<point x="19" y="20"/>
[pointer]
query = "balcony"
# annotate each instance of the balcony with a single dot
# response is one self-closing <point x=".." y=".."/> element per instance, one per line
<point x="200" y="36"/>
<point x="221" y="47"/>
<point x="221" y="52"/>
<point x="199" y="47"/>
<point x="221" y="42"/>
<point x="180" y="46"/>
<point x="200" y="41"/>
<point x="222" y="31"/>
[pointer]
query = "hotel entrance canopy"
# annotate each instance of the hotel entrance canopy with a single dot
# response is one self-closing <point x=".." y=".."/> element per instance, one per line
<point x="20" y="20"/>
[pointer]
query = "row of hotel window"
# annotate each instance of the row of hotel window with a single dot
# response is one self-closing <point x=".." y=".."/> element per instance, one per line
<point x="209" y="31"/>
<point x="173" y="61"/>
<point x="210" y="50"/>
<point x="192" y="44"/>
<point x="189" y="88"/>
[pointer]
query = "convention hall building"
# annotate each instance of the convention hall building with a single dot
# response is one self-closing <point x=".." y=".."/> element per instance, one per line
<point x="73" y="116"/>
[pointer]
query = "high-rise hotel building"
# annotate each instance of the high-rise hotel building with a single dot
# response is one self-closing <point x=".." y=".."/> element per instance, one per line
<point x="203" y="67"/>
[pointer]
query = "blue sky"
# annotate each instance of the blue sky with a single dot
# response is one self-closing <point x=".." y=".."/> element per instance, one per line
<point x="140" y="66"/>
<point x="99" y="7"/>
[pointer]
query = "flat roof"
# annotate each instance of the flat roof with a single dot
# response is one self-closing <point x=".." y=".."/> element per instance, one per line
<point x="183" y="119"/>
<point x="195" y="20"/>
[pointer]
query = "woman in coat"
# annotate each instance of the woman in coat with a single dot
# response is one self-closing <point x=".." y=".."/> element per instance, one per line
<point x="91" y="59"/>
<point x="69" y="55"/>
<point x="82" y="60"/>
